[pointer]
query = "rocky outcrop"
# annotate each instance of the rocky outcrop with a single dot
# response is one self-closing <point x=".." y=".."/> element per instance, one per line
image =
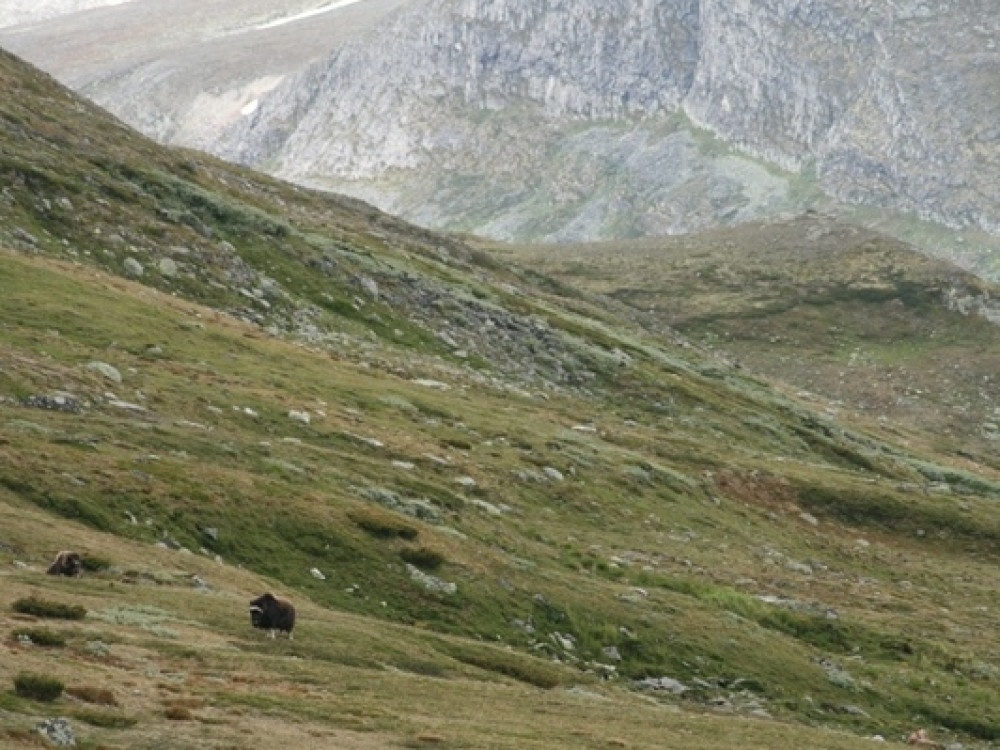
<point x="893" y="104"/>
<point x="876" y="102"/>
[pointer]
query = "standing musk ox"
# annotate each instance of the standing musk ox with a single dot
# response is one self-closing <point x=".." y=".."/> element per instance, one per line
<point x="267" y="612"/>
<point x="66" y="564"/>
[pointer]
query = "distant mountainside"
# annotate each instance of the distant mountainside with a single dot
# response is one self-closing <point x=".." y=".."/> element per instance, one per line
<point x="566" y="121"/>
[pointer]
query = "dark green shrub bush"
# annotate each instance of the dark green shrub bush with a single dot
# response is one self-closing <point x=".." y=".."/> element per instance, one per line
<point x="382" y="523"/>
<point x="32" y="605"/>
<point x="95" y="564"/>
<point x="41" y="637"/>
<point x="37" y="687"/>
<point x="424" y="558"/>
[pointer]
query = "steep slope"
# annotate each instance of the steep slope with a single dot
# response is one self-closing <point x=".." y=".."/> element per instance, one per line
<point x="653" y="119"/>
<point x="503" y="486"/>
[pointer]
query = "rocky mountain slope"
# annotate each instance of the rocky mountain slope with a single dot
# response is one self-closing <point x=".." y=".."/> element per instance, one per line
<point x="489" y="494"/>
<point x="649" y="120"/>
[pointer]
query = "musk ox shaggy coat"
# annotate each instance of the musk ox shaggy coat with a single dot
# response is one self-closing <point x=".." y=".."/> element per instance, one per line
<point x="66" y="564"/>
<point x="267" y="612"/>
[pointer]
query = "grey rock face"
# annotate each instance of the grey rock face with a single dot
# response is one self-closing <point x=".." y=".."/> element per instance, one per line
<point x="571" y="120"/>
<point x="876" y="96"/>
<point x="874" y="100"/>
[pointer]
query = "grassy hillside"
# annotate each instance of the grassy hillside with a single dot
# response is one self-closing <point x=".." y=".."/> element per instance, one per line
<point x="494" y="499"/>
<point x="859" y="323"/>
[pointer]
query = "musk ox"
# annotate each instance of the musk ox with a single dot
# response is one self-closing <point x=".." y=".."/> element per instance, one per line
<point x="267" y="612"/>
<point x="66" y="564"/>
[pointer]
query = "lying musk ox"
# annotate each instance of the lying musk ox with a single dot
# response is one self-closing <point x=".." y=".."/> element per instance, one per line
<point x="66" y="564"/>
<point x="267" y="612"/>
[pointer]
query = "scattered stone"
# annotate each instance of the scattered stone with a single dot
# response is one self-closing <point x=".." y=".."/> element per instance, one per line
<point x="369" y="285"/>
<point x="58" y="732"/>
<point x="611" y="652"/>
<point x="167" y="266"/>
<point x="664" y="684"/>
<point x="554" y="474"/>
<point x="317" y="574"/>
<point x="133" y="267"/>
<point x="54" y="402"/>
<point x="199" y="583"/>
<point x="429" y="582"/>
<point x="852" y="710"/>
<point x="809" y="518"/>
<point x="369" y="441"/>
<point x="108" y="371"/>
<point x="212" y="533"/>
<point x="797" y="567"/>
<point x="126" y="405"/>
<point x="404" y="465"/>
<point x="467" y="482"/>
<point x="489" y="508"/>
<point x="299" y="416"/>
<point x="565" y="642"/>
<point x="24" y="236"/>
<point x="439" y="460"/>
<point x="411" y="506"/>
<point x="428" y="383"/>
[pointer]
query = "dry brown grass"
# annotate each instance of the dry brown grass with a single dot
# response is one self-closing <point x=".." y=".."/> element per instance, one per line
<point x="91" y="694"/>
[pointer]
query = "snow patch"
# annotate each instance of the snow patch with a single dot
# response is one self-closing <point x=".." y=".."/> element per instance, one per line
<point x="306" y="14"/>
<point x="211" y="113"/>
<point x="17" y="12"/>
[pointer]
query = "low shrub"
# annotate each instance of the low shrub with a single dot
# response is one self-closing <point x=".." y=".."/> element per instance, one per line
<point x="383" y="524"/>
<point x="37" y="686"/>
<point x="41" y="637"/>
<point x="95" y="564"/>
<point x="178" y="713"/>
<point x="424" y="558"/>
<point x="32" y="605"/>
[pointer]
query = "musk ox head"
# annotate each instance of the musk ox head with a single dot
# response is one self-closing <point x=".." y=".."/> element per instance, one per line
<point x="261" y="610"/>
<point x="66" y="564"/>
